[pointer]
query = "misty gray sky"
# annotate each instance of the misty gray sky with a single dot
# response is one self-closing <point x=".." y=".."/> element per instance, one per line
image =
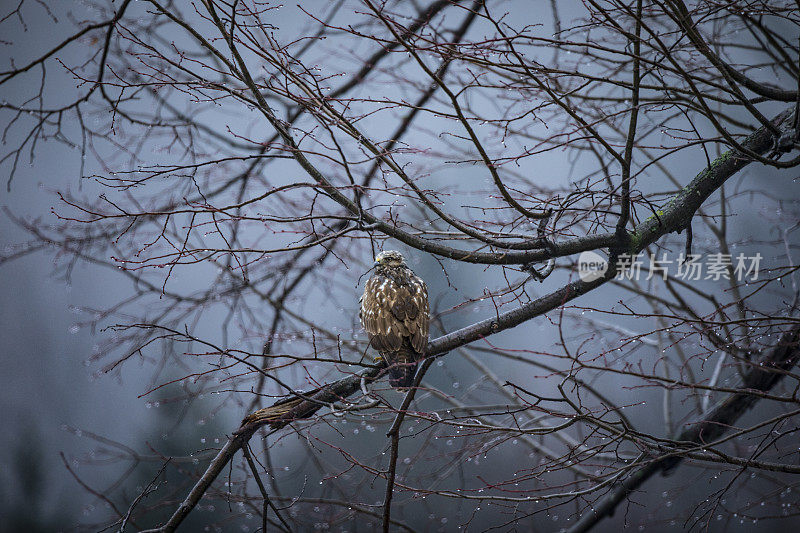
<point x="50" y="384"/>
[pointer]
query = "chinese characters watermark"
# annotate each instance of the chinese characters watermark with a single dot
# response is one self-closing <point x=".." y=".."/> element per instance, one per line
<point x="691" y="267"/>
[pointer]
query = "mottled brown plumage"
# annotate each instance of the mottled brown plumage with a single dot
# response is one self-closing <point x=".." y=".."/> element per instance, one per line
<point x="394" y="313"/>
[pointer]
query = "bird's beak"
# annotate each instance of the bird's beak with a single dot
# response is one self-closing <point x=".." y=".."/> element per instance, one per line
<point x="376" y="263"/>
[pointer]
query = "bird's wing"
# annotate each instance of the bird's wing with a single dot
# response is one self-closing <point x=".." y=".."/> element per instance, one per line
<point x="385" y="331"/>
<point x="420" y="323"/>
<point x="410" y="308"/>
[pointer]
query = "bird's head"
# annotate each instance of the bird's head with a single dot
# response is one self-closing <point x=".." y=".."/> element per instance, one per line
<point x="389" y="258"/>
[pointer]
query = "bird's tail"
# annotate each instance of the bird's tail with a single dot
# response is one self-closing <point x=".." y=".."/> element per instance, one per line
<point x="404" y="368"/>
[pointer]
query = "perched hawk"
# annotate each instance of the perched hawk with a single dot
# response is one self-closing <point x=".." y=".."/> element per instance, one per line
<point x="394" y="312"/>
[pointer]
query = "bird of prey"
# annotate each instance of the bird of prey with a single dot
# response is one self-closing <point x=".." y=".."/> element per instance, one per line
<point x="394" y="313"/>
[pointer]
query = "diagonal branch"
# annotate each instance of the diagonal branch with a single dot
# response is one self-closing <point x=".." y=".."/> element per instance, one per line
<point x="673" y="218"/>
<point x="762" y="376"/>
